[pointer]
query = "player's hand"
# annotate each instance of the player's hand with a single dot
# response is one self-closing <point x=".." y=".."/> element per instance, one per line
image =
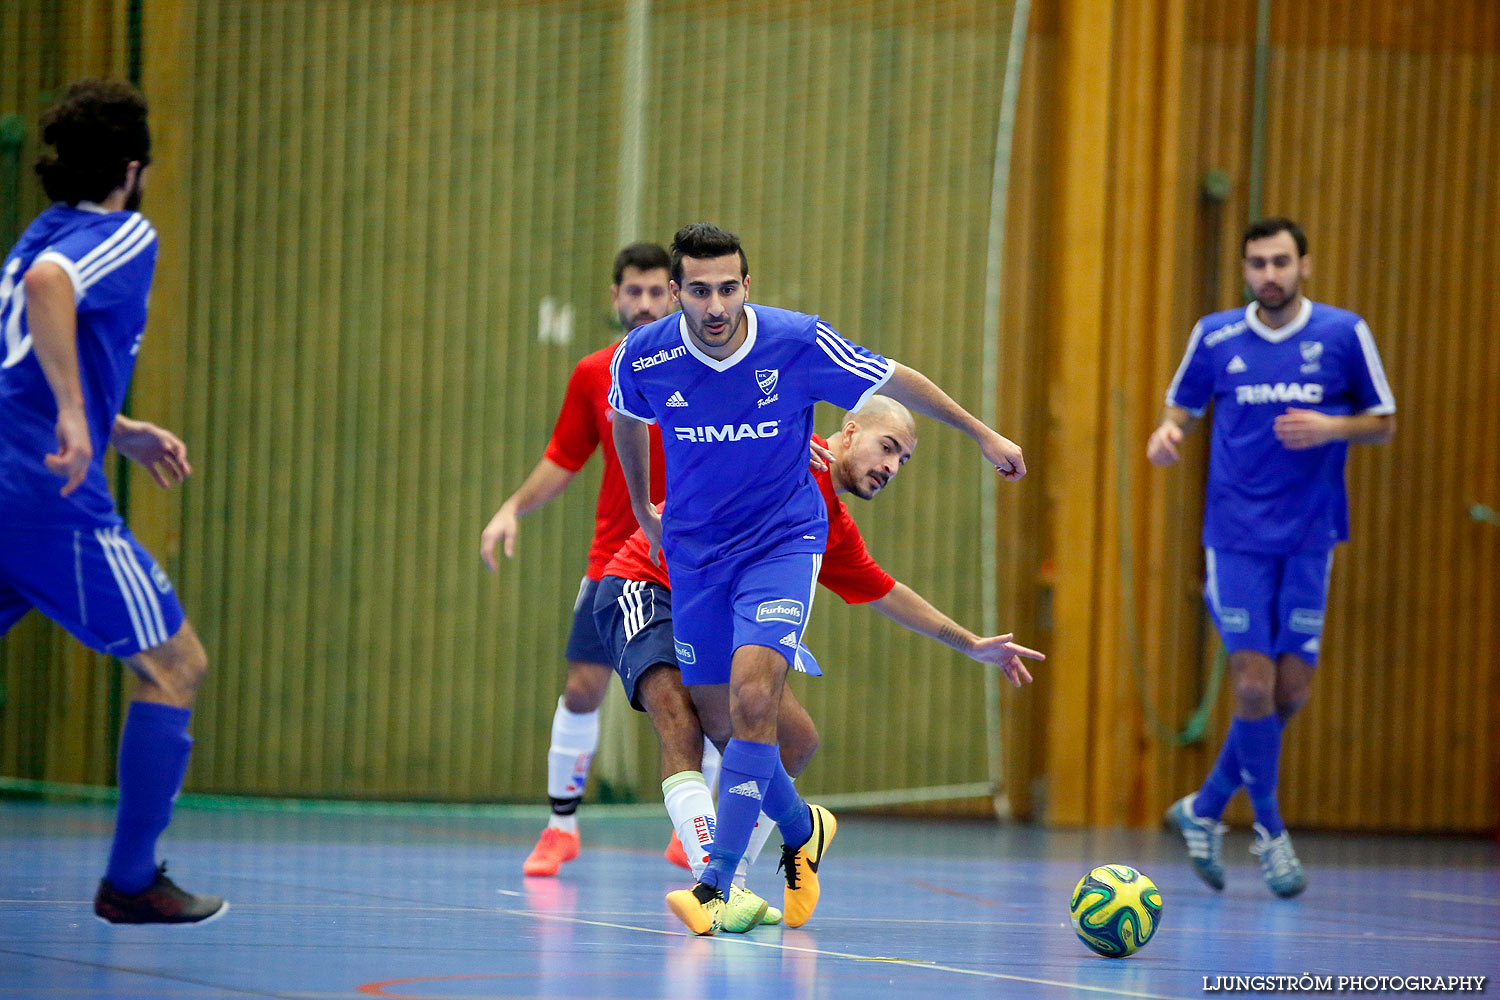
<point x="1161" y="449"/>
<point x="161" y="452"/>
<point x="74" y="450"/>
<point x="502" y="529"/>
<point x="1004" y="454"/>
<point x="1007" y="655"/>
<point x="822" y="458"/>
<point x="651" y="528"/>
<point x="1299" y="430"/>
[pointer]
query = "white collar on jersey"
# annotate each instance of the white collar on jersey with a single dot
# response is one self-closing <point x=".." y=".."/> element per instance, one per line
<point x="733" y="359"/>
<point x="1291" y="329"/>
<point x="89" y="206"/>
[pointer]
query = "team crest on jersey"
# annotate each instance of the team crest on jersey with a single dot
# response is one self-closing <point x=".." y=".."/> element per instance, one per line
<point x="766" y="379"/>
<point x="1312" y="350"/>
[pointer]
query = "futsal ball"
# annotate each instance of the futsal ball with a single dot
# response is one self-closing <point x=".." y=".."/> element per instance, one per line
<point x="1116" y="909"/>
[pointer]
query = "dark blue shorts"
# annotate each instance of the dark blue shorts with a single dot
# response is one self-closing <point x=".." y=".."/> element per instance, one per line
<point x="635" y="620"/>
<point x="98" y="583"/>
<point x="584" y="644"/>
<point x="1268" y="604"/>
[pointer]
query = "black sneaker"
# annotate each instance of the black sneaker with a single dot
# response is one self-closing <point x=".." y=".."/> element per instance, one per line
<point x="161" y="902"/>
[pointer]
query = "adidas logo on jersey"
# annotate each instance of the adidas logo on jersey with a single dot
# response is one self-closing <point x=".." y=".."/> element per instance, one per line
<point x="747" y="789"/>
<point x="676" y="400"/>
<point x="789" y="640"/>
<point x="1236" y="365"/>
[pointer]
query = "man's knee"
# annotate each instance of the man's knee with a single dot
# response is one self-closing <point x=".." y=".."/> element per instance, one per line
<point x="173" y="671"/>
<point x="1254" y="684"/>
<point x="587" y="685"/>
<point x="1293" y="685"/>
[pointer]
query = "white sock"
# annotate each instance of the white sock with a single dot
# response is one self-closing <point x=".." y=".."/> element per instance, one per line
<point x="692" y="811"/>
<point x="758" y="837"/>
<point x="574" y="738"/>
<point x="711" y="761"/>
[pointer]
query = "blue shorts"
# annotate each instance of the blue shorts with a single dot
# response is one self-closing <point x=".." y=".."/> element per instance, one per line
<point x="98" y="583"/>
<point x="584" y="644"/>
<point x="1268" y="604"/>
<point x="634" y="618"/>
<point x="762" y="601"/>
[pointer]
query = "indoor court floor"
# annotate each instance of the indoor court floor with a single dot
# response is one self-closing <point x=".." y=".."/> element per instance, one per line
<point x="432" y="904"/>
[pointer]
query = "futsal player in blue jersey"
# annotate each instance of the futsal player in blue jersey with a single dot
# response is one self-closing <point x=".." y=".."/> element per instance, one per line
<point x="1293" y="383"/>
<point x="732" y="386"/>
<point x="72" y="311"/>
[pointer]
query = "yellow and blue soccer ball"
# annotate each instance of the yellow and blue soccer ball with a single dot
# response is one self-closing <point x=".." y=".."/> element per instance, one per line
<point x="1116" y="909"/>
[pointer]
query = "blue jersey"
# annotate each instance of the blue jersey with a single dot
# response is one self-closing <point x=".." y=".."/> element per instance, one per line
<point x="1263" y="497"/>
<point x="110" y="257"/>
<point x="735" y="432"/>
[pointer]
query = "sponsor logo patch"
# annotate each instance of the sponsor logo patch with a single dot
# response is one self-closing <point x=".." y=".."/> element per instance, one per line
<point x="780" y="611"/>
<point x="728" y="432"/>
<point x="685" y="653"/>
<point x="1224" y="333"/>
<point x="1281" y="392"/>
<point x="660" y="357"/>
<point x="1305" y="620"/>
<point x="1234" y="619"/>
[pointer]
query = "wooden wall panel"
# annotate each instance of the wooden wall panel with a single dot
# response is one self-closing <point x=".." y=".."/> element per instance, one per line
<point x="1379" y="141"/>
<point x="58" y="701"/>
<point x="853" y="151"/>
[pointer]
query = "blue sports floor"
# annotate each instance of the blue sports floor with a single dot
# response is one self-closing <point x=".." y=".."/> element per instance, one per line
<point x="327" y="907"/>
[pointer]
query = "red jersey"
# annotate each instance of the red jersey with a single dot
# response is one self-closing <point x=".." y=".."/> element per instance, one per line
<point x="847" y="569"/>
<point x="584" y="424"/>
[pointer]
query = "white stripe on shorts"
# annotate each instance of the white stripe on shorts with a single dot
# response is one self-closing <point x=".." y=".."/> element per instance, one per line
<point x="126" y="591"/>
<point x="139" y="594"/>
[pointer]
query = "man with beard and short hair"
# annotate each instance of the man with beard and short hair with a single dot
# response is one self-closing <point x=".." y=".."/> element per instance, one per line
<point x="73" y="296"/>
<point x="1293" y="383"/>
<point x="639" y="296"/>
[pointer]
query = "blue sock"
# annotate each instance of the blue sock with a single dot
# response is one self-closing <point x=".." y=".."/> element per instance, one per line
<point x="153" y="760"/>
<point x="1258" y="746"/>
<point x="786" y="808"/>
<point x="747" y="769"/>
<point x="1222" y="782"/>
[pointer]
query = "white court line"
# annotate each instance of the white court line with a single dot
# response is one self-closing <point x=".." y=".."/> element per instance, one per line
<point x="910" y="962"/>
<point x="1450" y="897"/>
<point x="451" y="908"/>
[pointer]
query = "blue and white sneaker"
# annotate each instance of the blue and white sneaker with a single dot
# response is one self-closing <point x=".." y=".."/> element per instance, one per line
<point x="1278" y="862"/>
<point x="1204" y="839"/>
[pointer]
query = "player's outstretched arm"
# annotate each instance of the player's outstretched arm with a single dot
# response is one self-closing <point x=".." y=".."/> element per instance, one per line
<point x="545" y="483"/>
<point x="162" y="453"/>
<point x="920" y="393"/>
<point x="633" y="449"/>
<point x="911" y="610"/>
<point x="52" y="314"/>
<point x="1161" y="448"/>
